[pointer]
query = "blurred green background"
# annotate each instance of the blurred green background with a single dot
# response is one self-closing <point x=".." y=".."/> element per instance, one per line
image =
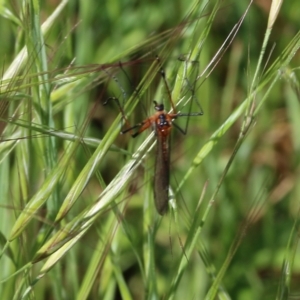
<point x="59" y="144"/>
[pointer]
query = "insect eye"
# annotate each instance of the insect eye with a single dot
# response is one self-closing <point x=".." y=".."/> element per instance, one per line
<point x="158" y="107"/>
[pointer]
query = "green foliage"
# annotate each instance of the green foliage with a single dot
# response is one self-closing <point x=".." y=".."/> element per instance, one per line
<point x="77" y="213"/>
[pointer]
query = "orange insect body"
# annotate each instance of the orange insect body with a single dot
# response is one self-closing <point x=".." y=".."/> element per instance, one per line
<point x="161" y="124"/>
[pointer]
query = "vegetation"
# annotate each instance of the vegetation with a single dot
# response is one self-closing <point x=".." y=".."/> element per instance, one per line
<point x="78" y="218"/>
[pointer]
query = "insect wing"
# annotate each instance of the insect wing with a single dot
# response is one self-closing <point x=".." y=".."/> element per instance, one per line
<point x="162" y="174"/>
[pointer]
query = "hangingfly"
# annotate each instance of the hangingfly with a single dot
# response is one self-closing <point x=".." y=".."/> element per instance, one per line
<point x="161" y="123"/>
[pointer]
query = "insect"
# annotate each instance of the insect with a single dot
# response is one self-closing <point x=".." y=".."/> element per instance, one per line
<point x="161" y="122"/>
